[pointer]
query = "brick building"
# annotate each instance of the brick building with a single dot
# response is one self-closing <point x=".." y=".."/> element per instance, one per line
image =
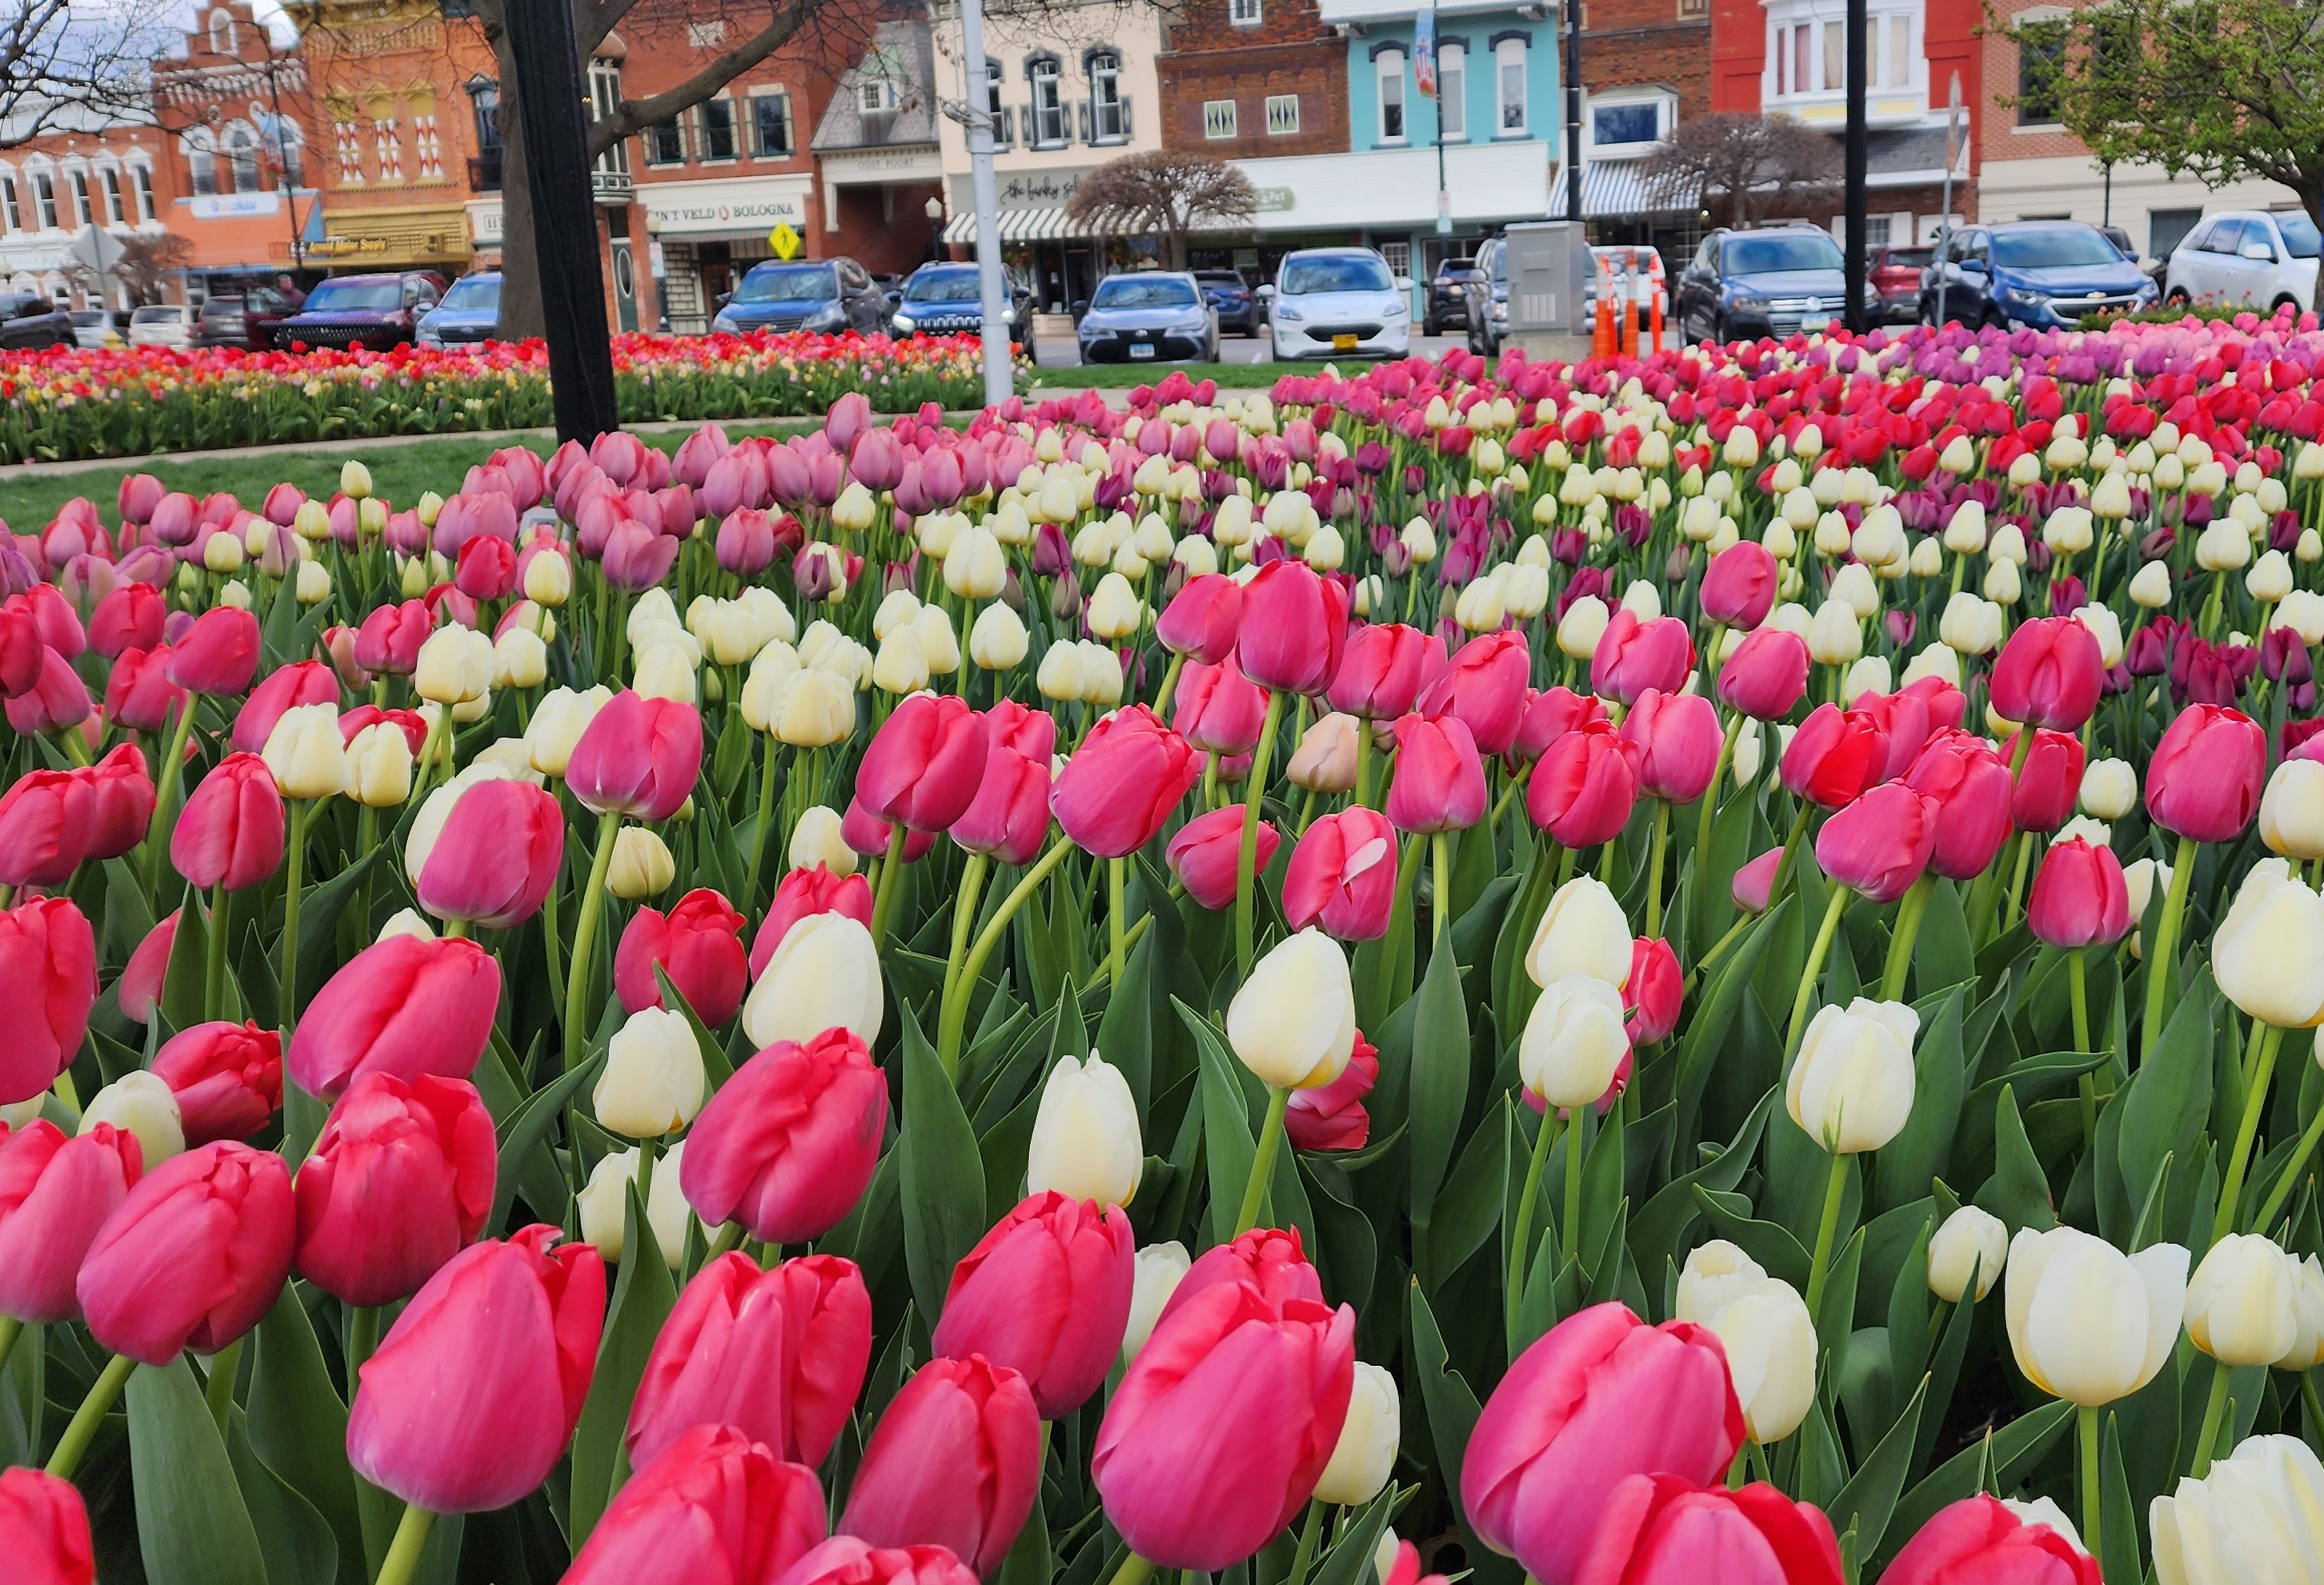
<point x="1645" y="67"/>
<point x="1283" y="73"/>
<point x="54" y="185"/>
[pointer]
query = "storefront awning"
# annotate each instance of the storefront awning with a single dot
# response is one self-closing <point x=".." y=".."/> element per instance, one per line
<point x="1017" y="225"/>
<point x="1612" y="188"/>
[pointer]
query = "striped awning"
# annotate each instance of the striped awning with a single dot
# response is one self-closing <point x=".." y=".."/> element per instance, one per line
<point x="1615" y="187"/>
<point x="1017" y="225"/>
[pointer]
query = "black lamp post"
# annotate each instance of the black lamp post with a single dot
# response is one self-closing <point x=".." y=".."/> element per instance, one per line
<point x="1858" y="162"/>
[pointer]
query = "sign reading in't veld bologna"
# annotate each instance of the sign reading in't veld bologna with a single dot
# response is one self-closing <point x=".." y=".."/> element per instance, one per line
<point x="750" y="206"/>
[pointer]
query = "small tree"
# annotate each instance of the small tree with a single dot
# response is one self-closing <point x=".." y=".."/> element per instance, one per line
<point x="1166" y="193"/>
<point x="2219" y="89"/>
<point x="149" y="261"/>
<point x="1757" y="164"/>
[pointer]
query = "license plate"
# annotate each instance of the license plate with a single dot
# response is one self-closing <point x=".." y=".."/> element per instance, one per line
<point x="1815" y="321"/>
<point x="1142" y="349"/>
<point x="1344" y="343"/>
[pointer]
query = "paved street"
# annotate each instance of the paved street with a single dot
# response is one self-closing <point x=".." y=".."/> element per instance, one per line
<point x="1233" y="349"/>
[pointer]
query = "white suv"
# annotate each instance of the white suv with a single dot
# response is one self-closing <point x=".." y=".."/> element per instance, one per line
<point x="1328" y="301"/>
<point x="2262" y="259"/>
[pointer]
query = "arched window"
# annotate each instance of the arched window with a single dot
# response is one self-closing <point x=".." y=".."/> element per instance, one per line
<point x="1109" y="109"/>
<point x="1388" y="69"/>
<point x="1509" y="80"/>
<point x="203" y="171"/>
<point x="223" y="36"/>
<point x="1452" y="88"/>
<point x="242" y="149"/>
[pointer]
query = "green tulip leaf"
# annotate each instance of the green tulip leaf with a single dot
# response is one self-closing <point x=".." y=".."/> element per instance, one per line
<point x="1470" y="1208"/>
<point x="1868" y="1500"/>
<point x="193" y="1527"/>
<point x="1439" y="1085"/>
<point x="2002" y="1458"/>
<point x="299" y="1427"/>
<point x="296" y="1540"/>
<point x="642" y="1298"/>
<point x="940" y="1174"/>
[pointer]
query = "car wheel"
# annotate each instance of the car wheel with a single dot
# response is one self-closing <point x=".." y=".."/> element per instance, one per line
<point x="2176" y="296"/>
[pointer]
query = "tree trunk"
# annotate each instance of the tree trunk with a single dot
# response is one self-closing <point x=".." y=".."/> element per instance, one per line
<point x="521" y="316"/>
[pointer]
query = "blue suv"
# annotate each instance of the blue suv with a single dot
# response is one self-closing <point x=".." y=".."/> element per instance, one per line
<point x="2044" y="273"/>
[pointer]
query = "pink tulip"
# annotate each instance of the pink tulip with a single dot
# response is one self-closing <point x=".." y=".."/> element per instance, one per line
<point x="231" y="831"/>
<point x="1384" y="670"/>
<point x="1440" y="780"/>
<point x="845" y="1559"/>
<point x="227" y="1079"/>
<point x="637" y="757"/>
<point x="1664" y="1529"/>
<point x="48" y="960"/>
<point x="1676" y="741"/>
<point x="1881" y="844"/>
<point x="1207" y="849"/>
<point x="956" y="1461"/>
<point x="55" y="1195"/>
<point x="140" y="985"/>
<point x="714" y="1505"/>
<point x="1584" y="787"/>
<point x="1045" y="1294"/>
<point x="923" y="766"/>
<point x="1343" y="876"/>
<point x="1201" y="620"/>
<point x="495" y="856"/>
<point x="1008" y="818"/>
<point x="405" y="1006"/>
<point x="1218" y="709"/>
<point x="1295" y="624"/>
<point x="194" y="1256"/>
<point x="1633" y="656"/>
<point x="304" y="682"/>
<point x="1122" y="783"/>
<point x="1766" y="675"/>
<point x="1485" y="687"/>
<point x="789" y="1143"/>
<point x="218" y="654"/>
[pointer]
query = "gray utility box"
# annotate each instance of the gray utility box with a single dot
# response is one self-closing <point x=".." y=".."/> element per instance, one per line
<point x="1550" y="265"/>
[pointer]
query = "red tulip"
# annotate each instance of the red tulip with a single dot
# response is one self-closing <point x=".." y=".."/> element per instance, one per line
<point x="45" y="827"/>
<point x="1268" y="1261"/>
<point x="1978" y="1540"/>
<point x="1206" y="849"/>
<point x="1008" y="818"/>
<point x="21" y="648"/>
<point x="956" y="1461"/>
<point x="486" y="569"/>
<point x="304" y="682"/>
<point x="1655" y="994"/>
<point x="1633" y="656"/>
<point x="1384" y="668"/>
<point x="218" y="654"/>
<point x="139" y="693"/>
<point x="698" y="945"/>
<point x="1879" y="845"/>
<point x="57" y="699"/>
<point x="1046" y="1293"/>
<point x="1218" y="709"/>
<point x="924" y="762"/>
<point x="637" y="757"/>
<point x="869" y="834"/>
<point x="121" y="802"/>
<point x="55" y="1194"/>
<point x="1583" y="788"/>
<point x="140" y="985"/>
<point x="230" y="831"/>
<point x="2080" y="898"/>
<point x="714" y="1506"/>
<point x="1834" y="756"/>
<point x="494" y="857"/>
<point x="1343" y="876"/>
<point x="1600" y="1396"/>
<point x="472" y="1395"/>
<point x="1970" y="785"/>
<point x="1440" y="780"/>
<point x="789" y="1143"/>
<point x="778" y="1354"/>
<point x="1663" y="1529"/>
<point x="1676" y="741"/>
<point x="1121" y="785"/>
<point x="845" y="1559"/>
<point x="1766" y="675"/>
<point x="1947" y="703"/>
<point x="1219" y="1431"/>
<point x="2049" y="674"/>
<point x="2205" y="780"/>
<point x="1201" y="620"/>
<point x="390" y="637"/>
<point x="2048" y="782"/>
<point x="1295" y="624"/>
<point x="401" y="1180"/>
<point x="1332" y="1117"/>
<point x="1486" y="687"/>
<point x="1738" y="585"/>
<point x="409" y="722"/>
<point x="228" y="1078"/>
<point x="129" y="618"/>
<point x="48" y="960"/>
<point x="43" y="1527"/>
<point x="405" y="1006"/>
<point x="195" y="1255"/>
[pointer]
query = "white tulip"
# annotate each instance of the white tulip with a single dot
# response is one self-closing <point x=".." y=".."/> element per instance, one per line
<point x="653" y="1081"/>
<point x="1771" y="1357"/>
<point x="1582" y="932"/>
<point x="1714" y="1277"/>
<point x="1852" y="1086"/>
<point x="1573" y="1042"/>
<point x="1160" y="1268"/>
<point x="824" y="975"/>
<point x="2087" y="1323"/>
<point x="2258" y="1516"/>
<point x="1294" y="1021"/>
<point x="1973" y="1240"/>
<point x="1365" y="1455"/>
<point x="141" y="1103"/>
<point x="2242" y="1301"/>
<point x="1085" y="1141"/>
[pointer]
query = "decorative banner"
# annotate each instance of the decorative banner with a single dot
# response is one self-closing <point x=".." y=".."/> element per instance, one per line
<point x="1423" y="52"/>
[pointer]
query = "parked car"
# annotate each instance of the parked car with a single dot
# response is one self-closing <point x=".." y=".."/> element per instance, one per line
<point x="1334" y="302"/>
<point x="1487" y="289"/>
<point x="1232" y="298"/>
<point x="246" y="319"/>
<point x="372" y="311"/>
<point x="29" y="320"/>
<point x="163" y="325"/>
<point x="2262" y="258"/>
<point x="1765" y="282"/>
<point x="95" y="328"/>
<point x="827" y="296"/>
<point x="470" y="312"/>
<point x="2043" y="273"/>
<point x="947" y="300"/>
<point x="1895" y="274"/>
<point x="1153" y="315"/>
<point x="1448" y="297"/>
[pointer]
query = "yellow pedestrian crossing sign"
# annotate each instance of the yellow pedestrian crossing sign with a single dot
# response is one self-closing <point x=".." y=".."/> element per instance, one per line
<point x="784" y="241"/>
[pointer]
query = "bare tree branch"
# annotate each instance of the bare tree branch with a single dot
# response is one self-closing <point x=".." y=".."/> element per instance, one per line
<point x="65" y="68"/>
<point x="1166" y="192"/>
<point x="1753" y="164"/>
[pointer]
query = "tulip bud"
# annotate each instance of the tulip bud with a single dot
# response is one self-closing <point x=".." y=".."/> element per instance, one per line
<point x="142" y="1104"/>
<point x="824" y="975"/>
<point x="1365" y="1455"/>
<point x="520" y="659"/>
<point x="604" y="1202"/>
<point x="997" y="641"/>
<point x="641" y="867"/>
<point x="2268" y="951"/>
<point x="1715" y="1275"/>
<point x="2291" y="811"/>
<point x="1293" y="1022"/>
<point x="1771" y="1352"/>
<point x="2087" y="1323"/>
<point x="1325" y="760"/>
<point x="653" y="1081"/>
<point x="1584" y="931"/>
<point x="314" y="583"/>
<point x="2241" y="1300"/>
<point x="1850" y="1087"/>
<point x="557" y="725"/>
<point x="2109" y="789"/>
<point x="454" y="666"/>
<point x="1971" y="1241"/>
<point x="1573" y="1042"/>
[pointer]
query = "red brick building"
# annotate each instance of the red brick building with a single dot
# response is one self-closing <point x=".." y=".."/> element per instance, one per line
<point x="1253" y="56"/>
<point x="1645" y="67"/>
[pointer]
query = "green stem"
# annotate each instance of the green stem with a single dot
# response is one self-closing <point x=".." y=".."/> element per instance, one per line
<point x="1246" y="861"/>
<point x="404" y="1552"/>
<point x="1440" y="868"/>
<point x="1573" y="1181"/>
<point x="91" y="1414"/>
<point x="1262" y="1161"/>
<point x="1169" y="684"/>
<point x="1117" y="927"/>
<point x="1655" y="868"/>
<point x="1309" y="1533"/>
<point x="2254" y="1102"/>
<point x="10" y="1329"/>
<point x="2087" y="1420"/>
<point x="891" y="868"/>
<point x="213" y="971"/>
<point x="2274" y="1206"/>
<point x="1811" y="971"/>
<point x="964" y="920"/>
<point x="1791" y="846"/>
<point x="954" y="1016"/>
<point x="2215" y="1406"/>
<point x="1364" y="764"/>
<point x="219" y="1391"/>
<point x="1827" y="1228"/>
<point x="2161" y="959"/>
<point x="551" y="946"/>
<point x="2017" y="879"/>
<point x="1908" y="929"/>
<point x="585" y="935"/>
<point x="1521" y="1228"/>
<point x="362" y="1338"/>
<point x="1508" y="794"/>
<point x="294" y="874"/>
<point x="437" y="731"/>
<point x="1710" y="794"/>
<point x="1134" y="1570"/>
<point x="171" y="768"/>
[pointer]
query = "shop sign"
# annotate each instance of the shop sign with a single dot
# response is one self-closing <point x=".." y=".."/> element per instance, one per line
<point x="233" y="206"/>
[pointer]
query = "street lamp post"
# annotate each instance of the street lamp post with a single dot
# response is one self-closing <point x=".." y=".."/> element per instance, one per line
<point x="985" y="196"/>
<point x="1859" y="161"/>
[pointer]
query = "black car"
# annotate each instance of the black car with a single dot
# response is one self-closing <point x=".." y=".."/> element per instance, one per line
<point x="369" y="311"/>
<point x="1231" y="295"/>
<point x="1448" y="297"/>
<point x="246" y="319"/>
<point x="947" y="300"/>
<point x="470" y="312"/>
<point x="1745" y="284"/>
<point x="1487" y="293"/>
<point x="828" y="297"/>
<point x="29" y="320"/>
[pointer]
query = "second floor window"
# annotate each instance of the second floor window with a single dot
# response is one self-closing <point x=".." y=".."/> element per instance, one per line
<point x="44" y="200"/>
<point x="1048" y="102"/>
<point x="2040" y="49"/>
<point x="1390" y="68"/>
<point x="665" y="143"/>
<point x="1509" y="70"/>
<point x="114" y="212"/>
<point x="718" y="129"/>
<point x="771" y="115"/>
<point x="1218" y="118"/>
<point x="1107" y="117"/>
<point x="1244" y="14"/>
<point x="84" y="213"/>
<point x="242" y="150"/>
<point x="12" y="218"/>
<point x="203" y="171"/>
<point x="143" y="176"/>
<point x="1452" y="90"/>
<point x="1282" y="115"/>
<point x="487" y="104"/>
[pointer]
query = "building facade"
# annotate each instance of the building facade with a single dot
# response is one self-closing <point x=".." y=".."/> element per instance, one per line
<point x="1645" y="67"/>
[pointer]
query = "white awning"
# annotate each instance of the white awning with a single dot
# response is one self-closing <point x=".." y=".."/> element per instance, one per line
<point x="1611" y="188"/>
<point x="1017" y="225"/>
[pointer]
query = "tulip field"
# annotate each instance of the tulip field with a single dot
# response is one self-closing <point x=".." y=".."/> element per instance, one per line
<point x="1682" y="969"/>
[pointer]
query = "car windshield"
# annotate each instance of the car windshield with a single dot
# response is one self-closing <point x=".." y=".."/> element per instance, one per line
<point x="88" y="316"/>
<point x="1129" y="292"/>
<point x="807" y="284"/>
<point x="2299" y="233"/>
<point x="162" y="316"/>
<point x="1910" y="258"/>
<point x="1335" y="272"/>
<point x="474" y="294"/>
<point x="1775" y="254"/>
<point x="944" y="286"/>
<point x="2065" y="248"/>
<point x="354" y="297"/>
<point x="1225" y="278"/>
